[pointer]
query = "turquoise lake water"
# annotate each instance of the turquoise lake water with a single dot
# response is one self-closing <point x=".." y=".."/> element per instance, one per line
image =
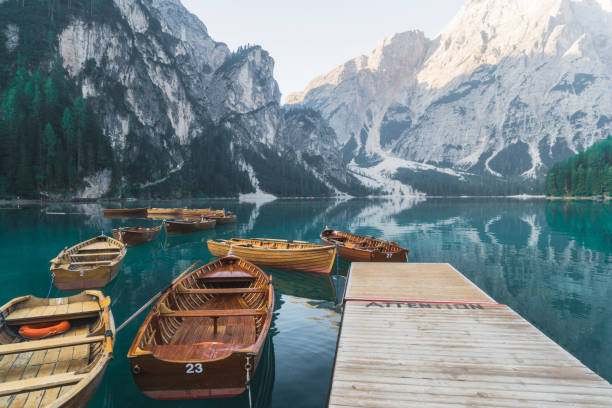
<point x="549" y="261"/>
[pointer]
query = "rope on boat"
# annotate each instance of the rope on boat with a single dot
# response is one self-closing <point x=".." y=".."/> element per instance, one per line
<point x="6" y="328"/>
<point x="247" y="367"/>
<point x="51" y="284"/>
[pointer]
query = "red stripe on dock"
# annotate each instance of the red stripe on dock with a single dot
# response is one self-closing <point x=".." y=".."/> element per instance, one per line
<point x="455" y="302"/>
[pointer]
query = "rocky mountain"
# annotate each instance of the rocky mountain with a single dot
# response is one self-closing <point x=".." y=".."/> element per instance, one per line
<point x="508" y="88"/>
<point x="184" y="115"/>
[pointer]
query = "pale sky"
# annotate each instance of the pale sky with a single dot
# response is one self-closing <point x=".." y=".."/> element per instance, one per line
<point x="309" y="38"/>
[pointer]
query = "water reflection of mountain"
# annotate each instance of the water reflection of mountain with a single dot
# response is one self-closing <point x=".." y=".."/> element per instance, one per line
<point x="539" y="259"/>
<point x="590" y="223"/>
<point x="305" y="219"/>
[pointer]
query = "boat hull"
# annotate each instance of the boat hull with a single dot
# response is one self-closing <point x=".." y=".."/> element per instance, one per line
<point x="130" y="212"/>
<point x="169" y="380"/>
<point x="228" y="219"/>
<point x="164" y="212"/>
<point x="82" y="399"/>
<point x="180" y="227"/>
<point x="133" y="237"/>
<point x="99" y="277"/>
<point x="89" y="359"/>
<point x="319" y="260"/>
<point x="356" y="248"/>
<point x="173" y="357"/>
<point x="360" y="255"/>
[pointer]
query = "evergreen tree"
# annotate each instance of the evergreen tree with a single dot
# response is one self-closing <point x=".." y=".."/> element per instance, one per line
<point x="587" y="173"/>
<point x="48" y="142"/>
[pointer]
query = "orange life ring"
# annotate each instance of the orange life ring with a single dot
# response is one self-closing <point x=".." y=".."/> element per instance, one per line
<point x="42" y="330"/>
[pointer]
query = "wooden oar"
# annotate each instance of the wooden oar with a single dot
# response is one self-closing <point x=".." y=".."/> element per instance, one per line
<point x="104" y="305"/>
<point x="158" y="294"/>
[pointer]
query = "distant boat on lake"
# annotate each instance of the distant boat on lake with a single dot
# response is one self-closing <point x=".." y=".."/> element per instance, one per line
<point x="132" y="236"/>
<point x="184" y="227"/>
<point x="127" y="212"/>
<point x="356" y="248"/>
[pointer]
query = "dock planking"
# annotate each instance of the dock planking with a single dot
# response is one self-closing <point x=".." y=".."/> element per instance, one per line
<point x="423" y="335"/>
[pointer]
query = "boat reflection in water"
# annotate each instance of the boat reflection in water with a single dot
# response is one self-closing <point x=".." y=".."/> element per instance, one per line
<point x="199" y="238"/>
<point x="263" y="383"/>
<point x="306" y="285"/>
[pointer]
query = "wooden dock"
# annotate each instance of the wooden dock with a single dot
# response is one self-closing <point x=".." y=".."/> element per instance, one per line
<point x="423" y="335"/>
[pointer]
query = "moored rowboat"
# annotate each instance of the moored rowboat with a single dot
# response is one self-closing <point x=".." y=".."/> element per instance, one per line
<point x="90" y="264"/>
<point x="57" y="371"/>
<point x="183" y="227"/>
<point x="130" y="212"/>
<point x="221" y="216"/>
<point x="204" y="333"/>
<point x="228" y="218"/>
<point x="164" y="212"/>
<point x="356" y="248"/>
<point x="276" y="253"/>
<point x="132" y="236"/>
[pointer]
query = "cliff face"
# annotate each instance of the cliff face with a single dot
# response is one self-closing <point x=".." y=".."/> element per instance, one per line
<point x="170" y="98"/>
<point x="506" y="90"/>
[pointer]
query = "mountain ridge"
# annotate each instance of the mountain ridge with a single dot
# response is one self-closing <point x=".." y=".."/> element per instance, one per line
<point x="506" y="89"/>
<point x="184" y="115"/>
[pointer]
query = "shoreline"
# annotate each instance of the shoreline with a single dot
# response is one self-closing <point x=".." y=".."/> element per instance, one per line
<point x="580" y="198"/>
<point x="127" y="200"/>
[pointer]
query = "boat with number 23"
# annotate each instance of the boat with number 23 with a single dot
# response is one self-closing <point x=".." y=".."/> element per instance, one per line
<point x="203" y="338"/>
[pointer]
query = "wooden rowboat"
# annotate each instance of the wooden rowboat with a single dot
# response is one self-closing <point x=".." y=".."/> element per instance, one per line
<point x="63" y="370"/>
<point x="277" y="253"/>
<point x="165" y="212"/>
<point x="221" y="216"/>
<point x="90" y="264"/>
<point x="228" y="218"/>
<point x="132" y="236"/>
<point x="356" y="248"/>
<point x="204" y="333"/>
<point x="198" y="212"/>
<point x="128" y="212"/>
<point x="186" y="226"/>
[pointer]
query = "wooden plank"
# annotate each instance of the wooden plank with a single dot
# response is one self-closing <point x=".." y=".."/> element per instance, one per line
<point x="92" y="262"/>
<point x="416" y="281"/>
<point x="230" y="291"/>
<point x="214" y="313"/>
<point x="115" y="253"/>
<point x="90" y="306"/>
<point x="418" y="349"/>
<point x="32" y="384"/>
<point x="47" y="344"/>
<point x="57" y="316"/>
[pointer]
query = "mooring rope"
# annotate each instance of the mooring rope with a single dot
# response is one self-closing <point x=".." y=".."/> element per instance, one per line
<point x="51" y="284"/>
<point x="247" y="367"/>
<point x="6" y="328"/>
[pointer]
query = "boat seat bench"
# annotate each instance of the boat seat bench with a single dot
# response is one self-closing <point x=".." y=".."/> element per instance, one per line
<point x="35" y="345"/>
<point x="91" y="262"/>
<point x="37" y="383"/>
<point x="95" y="254"/>
<point x="214" y="313"/>
<point x="53" y="313"/>
<point x="228" y="291"/>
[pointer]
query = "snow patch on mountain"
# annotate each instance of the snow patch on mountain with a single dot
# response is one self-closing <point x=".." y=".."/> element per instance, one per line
<point x="259" y="194"/>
